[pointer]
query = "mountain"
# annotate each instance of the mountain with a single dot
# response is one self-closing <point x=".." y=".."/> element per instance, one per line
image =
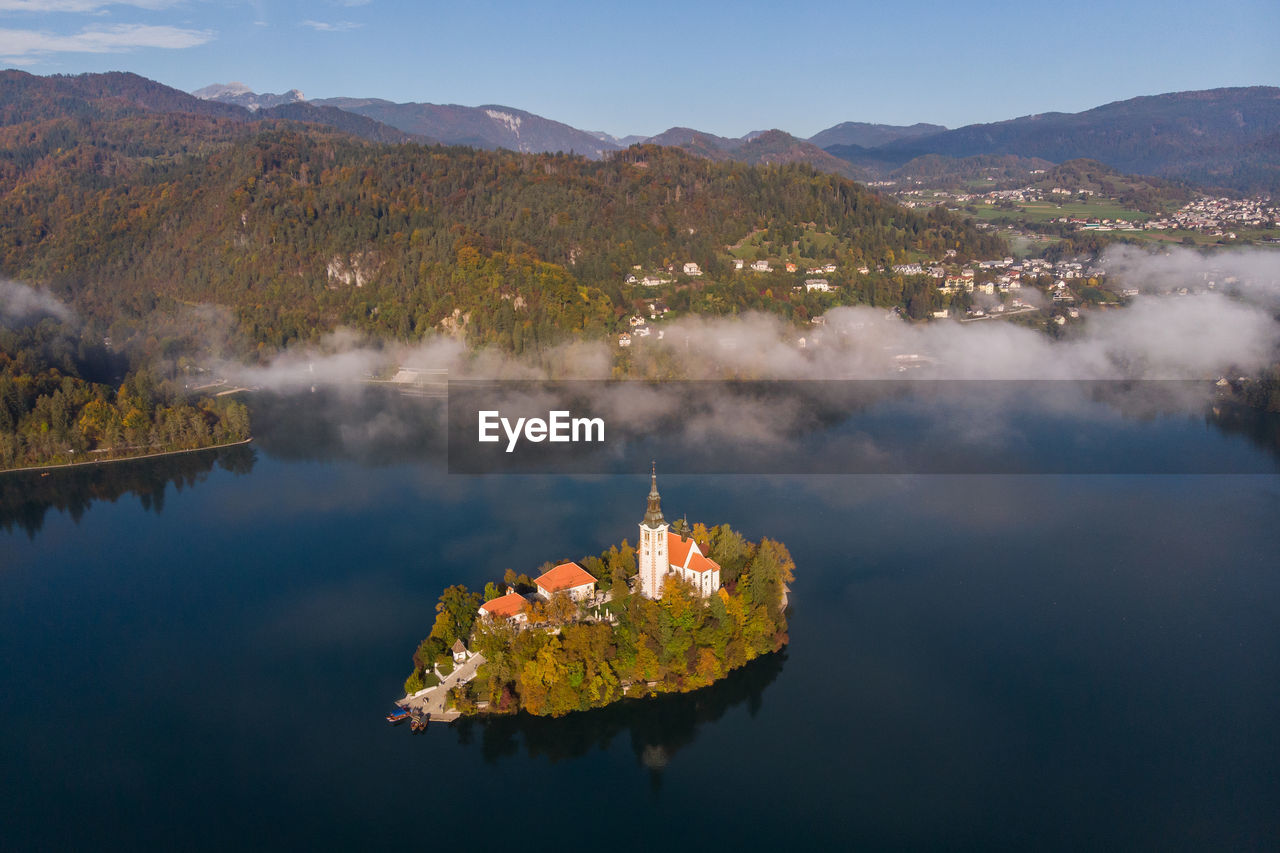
<point x="26" y="98"/>
<point x="130" y="214"/>
<point x="867" y="135"/>
<point x="706" y="145"/>
<point x="1144" y="193"/>
<point x="619" y="141"/>
<point x="242" y="96"/>
<point x="347" y="122"/>
<point x="937" y="170"/>
<point x="776" y="146"/>
<point x="488" y="126"/>
<point x="1215" y="137"/>
<point x="757" y="147"/>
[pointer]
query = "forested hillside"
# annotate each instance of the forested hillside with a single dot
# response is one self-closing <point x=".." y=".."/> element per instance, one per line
<point x="66" y="399"/>
<point x="298" y="229"/>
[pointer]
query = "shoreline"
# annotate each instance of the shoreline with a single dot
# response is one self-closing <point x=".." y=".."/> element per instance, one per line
<point x="161" y="453"/>
<point x="486" y="712"/>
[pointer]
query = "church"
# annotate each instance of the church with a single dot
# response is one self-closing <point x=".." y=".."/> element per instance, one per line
<point x="662" y="553"/>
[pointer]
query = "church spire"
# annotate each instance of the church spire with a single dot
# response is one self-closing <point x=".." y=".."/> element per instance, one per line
<point x="653" y="515"/>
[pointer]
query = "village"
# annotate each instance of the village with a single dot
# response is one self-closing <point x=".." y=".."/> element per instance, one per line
<point x="976" y="290"/>
<point x="1219" y="217"/>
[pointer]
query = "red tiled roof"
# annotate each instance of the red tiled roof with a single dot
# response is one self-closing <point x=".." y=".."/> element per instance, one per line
<point x="700" y="563"/>
<point x="679" y="548"/>
<point x="565" y="576"/>
<point x="685" y="554"/>
<point x="506" y="606"/>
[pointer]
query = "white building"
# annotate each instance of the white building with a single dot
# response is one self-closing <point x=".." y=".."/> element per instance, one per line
<point x="662" y="554"/>
<point x="692" y="269"/>
<point x="566" y="577"/>
<point x="761" y="266"/>
<point x="512" y="607"/>
<point x="819" y="284"/>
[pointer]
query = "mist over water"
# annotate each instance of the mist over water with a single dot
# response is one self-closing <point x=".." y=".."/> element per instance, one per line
<point x="1192" y="336"/>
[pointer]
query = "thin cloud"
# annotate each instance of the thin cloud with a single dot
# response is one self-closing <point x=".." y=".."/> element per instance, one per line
<point x="325" y="27"/>
<point x="27" y="45"/>
<point x="44" y="6"/>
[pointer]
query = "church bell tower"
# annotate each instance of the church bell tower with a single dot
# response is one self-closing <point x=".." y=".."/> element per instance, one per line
<point x="652" y="550"/>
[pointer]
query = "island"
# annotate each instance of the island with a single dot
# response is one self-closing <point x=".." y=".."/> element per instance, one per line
<point x="677" y="612"/>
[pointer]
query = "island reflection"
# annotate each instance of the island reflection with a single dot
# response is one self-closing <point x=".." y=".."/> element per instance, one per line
<point x="26" y="497"/>
<point x="658" y="727"/>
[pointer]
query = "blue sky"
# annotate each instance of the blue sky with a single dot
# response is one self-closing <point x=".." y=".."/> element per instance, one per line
<point x="727" y="68"/>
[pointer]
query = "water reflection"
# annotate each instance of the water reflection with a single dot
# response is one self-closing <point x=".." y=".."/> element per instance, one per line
<point x="658" y="727"/>
<point x="1262" y="429"/>
<point x="26" y="497"/>
<point x="980" y="427"/>
<point x="368" y="424"/>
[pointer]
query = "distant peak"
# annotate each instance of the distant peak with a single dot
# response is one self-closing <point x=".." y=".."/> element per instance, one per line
<point x="214" y="90"/>
<point x="241" y="95"/>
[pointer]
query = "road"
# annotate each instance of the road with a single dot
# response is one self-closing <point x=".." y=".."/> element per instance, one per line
<point x="432" y="701"/>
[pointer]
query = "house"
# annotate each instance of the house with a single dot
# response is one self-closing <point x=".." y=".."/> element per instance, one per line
<point x="738" y="263"/>
<point x="819" y="284"/>
<point x="567" y="577"/>
<point x="761" y="266"/>
<point x="631" y="279"/>
<point x="790" y="267"/>
<point x="643" y="331"/>
<point x="460" y="653"/>
<point x="624" y="340"/>
<point x="512" y="607"/>
<point x="662" y="553"/>
<point x="651" y="281"/>
<point x="692" y="269"/>
<point x="636" y="320"/>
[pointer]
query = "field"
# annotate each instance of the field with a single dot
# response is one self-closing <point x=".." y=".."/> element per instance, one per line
<point x="1045" y="211"/>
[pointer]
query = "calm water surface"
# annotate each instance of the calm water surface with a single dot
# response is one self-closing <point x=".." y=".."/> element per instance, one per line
<point x="199" y="655"/>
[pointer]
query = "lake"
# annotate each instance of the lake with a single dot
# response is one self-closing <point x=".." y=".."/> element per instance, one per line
<point x="198" y="653"/>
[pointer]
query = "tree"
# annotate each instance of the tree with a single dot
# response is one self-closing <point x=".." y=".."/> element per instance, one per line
<point x="455" y="613"/>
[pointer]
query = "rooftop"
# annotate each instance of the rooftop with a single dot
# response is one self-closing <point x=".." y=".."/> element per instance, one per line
<point x="506" y="606"/>
<point x="565" y="576"/>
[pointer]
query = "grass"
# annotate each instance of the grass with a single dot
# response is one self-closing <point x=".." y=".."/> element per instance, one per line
<point x="826" y="244"/>
<point x="1044" y="211"/>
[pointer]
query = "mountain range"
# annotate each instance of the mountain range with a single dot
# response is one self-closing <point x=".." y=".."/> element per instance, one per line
<point x="1227" y="138"/>
<point x="27" y="97"/>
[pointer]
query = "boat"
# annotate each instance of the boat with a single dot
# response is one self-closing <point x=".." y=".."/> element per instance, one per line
<point x="399" y="715"/>
<point x="419" y="723"/>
